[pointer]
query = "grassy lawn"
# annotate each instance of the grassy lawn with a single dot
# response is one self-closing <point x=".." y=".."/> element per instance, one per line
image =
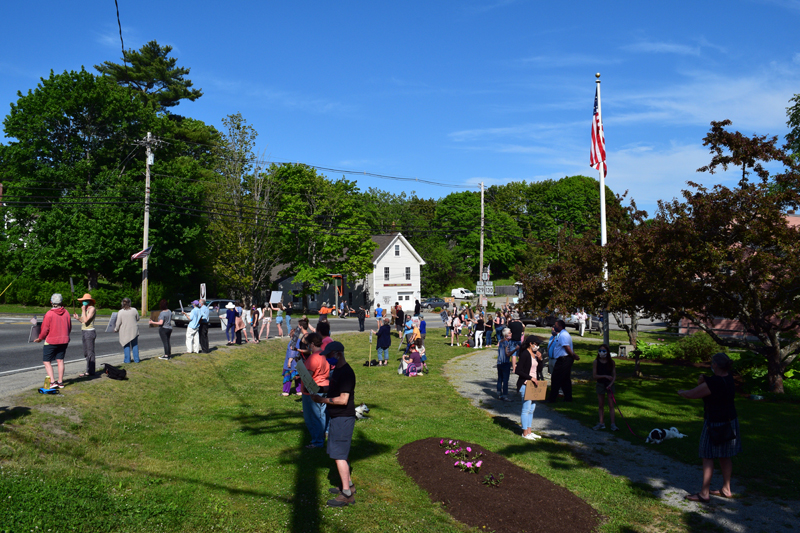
<point x="770" y="457"/>
<point x="206" y="443"/>
<point x="14" y="309"/>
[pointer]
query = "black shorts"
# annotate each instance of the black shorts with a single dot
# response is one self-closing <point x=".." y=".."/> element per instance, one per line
<point x="53" y="352"/>
<point x="340" y="435"/>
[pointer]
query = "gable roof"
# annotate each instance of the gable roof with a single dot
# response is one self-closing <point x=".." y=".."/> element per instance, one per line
<point x="385" y="243"/>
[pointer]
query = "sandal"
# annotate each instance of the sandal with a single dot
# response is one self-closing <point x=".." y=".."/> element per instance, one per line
<point x="84" y="375"/>
<point x="719" y="493"/>
<point x="697" y="498"/>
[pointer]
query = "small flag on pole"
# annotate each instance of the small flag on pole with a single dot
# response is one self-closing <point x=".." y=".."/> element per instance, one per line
<point x="141" y="255"/>
<point x="598" y="152"/>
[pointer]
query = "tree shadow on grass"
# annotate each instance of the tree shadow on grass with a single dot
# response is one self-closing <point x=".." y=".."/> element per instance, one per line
<point x="7" y="414"/>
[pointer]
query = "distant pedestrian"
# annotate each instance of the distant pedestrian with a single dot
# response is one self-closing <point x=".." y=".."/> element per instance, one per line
<point x="193" y="328"/>
<point x="278" y="317"/>
<point x="230" y="323"/>
<point x="88" y="333"/>
<point x="562" y="369"/>
<point x="164" y="324"/>
<point x="128" y="330"/>
<point x="379" y="315"/>
<point x="205" y="312"/>
<point x="255" y="321"/>
<point x="505" y="350"/>
<point x="581" y="316"/>
<point x="56" y="328"/>
<point x="361" y="314"/>
<point x="384" y="341"/>
<point x="423" y="328"/>
<point x="417" y="308"/>
<point x="604" y="371"/>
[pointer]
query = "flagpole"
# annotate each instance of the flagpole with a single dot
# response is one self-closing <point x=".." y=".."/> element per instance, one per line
<point x="603" y="238"/>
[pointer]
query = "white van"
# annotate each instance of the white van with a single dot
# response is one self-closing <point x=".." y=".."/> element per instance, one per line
<point x="462" y="293"/>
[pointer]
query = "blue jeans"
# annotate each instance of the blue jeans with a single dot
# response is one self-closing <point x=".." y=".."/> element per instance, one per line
<point x="131" y="346"/>
<point x="503" y="373"/>
<point x="230" y="331"/>
<point x="487" y="335"/>
<point x="316" y="419"/>
<point x="528" y="407"/>
<point x="383" y="354"/>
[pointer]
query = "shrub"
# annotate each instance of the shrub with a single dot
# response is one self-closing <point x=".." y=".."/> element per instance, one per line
<point x="656" y="351"/>
<point x="437" y="309"/>
<point x="696" y="347"/>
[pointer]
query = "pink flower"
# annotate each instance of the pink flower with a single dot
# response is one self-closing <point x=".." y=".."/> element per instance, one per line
<point x="469" y="465"/>
<point x="455" y="464"/>
<point x="469" y="449"/>
<point x="441" y="441"/>
<point x="479" y="463"/>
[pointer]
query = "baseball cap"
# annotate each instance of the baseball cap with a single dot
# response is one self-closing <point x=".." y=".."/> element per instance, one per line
<point x="333" y="347"/>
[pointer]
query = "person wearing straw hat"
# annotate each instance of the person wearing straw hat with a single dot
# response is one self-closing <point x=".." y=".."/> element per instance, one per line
<point x="88" y="333"/>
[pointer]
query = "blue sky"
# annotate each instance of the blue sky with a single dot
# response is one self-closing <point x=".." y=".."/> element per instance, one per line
<point x="454" y="92"/>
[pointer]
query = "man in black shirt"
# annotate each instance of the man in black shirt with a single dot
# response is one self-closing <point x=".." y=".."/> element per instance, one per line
<point x="342" y="412"/>
<point x="517" y="330"/>
<point x="361" y="314"/>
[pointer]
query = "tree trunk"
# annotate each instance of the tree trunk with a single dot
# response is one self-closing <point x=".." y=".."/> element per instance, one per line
<point x="774" y="370"/>
<point x="92" y="279"/>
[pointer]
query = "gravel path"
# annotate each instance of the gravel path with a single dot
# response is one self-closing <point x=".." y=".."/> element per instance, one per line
<point x="474" y="376"/>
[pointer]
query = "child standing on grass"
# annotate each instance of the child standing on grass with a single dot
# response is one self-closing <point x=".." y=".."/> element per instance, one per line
<point x="605" y="372"/>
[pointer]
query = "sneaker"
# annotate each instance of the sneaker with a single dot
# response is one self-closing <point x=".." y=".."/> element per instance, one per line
<point x="342" y="501"/>
<point x="531" y="436"/>
<point x="614" y="427"/>
<point x="57" y="385"/>
<point x="600" y="426"/>
<point x="506" y="398"/>
<point x="164" y="358"/>
<point x="337" y="490"/>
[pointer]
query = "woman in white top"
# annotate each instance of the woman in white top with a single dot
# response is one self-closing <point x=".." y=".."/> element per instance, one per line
<point x="266" y="319"/>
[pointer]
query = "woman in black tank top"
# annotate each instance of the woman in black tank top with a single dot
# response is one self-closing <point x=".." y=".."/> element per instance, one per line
<point x="605" y="372"/>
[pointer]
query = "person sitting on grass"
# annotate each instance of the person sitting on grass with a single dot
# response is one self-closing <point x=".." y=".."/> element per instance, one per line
<point x="420" y="347"/>
<point x="412" y="359"/>
<point x="604" y="370"/>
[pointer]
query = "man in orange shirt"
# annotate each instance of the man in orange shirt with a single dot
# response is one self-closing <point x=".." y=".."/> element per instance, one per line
<point x="315" y="414"/>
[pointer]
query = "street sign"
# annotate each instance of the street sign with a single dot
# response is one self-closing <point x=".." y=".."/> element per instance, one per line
<point x="485" y="276"/>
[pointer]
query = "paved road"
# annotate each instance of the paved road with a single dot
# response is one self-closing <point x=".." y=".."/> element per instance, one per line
<point x="17" y="355"/>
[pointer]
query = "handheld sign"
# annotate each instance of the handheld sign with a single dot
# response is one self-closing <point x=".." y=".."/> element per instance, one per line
<point x="305" y="376"/>
<point x="112" y="323"/>
<point x="36" y="329"/>
<point x="182" y="310"/>
<point x="275" y="297"/>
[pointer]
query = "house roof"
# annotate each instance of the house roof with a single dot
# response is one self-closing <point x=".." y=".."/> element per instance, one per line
<point x="385" y="243"/>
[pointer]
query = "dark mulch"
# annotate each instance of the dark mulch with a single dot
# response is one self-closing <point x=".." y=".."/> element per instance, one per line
<point x="523" y="502"/>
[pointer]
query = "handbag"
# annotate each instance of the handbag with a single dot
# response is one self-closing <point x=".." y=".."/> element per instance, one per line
<point x="720" y="435"/>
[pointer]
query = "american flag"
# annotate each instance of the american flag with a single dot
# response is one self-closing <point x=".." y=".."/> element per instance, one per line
<point x="141" y="255"/>
<point x="598" y="151"/>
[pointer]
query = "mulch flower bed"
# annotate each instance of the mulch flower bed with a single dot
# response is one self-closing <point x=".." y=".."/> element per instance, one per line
<point x="523" y="501"/>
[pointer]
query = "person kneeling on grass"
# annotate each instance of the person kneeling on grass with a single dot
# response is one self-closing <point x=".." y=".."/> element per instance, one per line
<point x="341" y="408"/>
<point x="605" y="372"/>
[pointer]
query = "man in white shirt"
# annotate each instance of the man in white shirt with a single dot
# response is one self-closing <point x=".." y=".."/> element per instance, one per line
<point x="562" y="369"/>
<point x="582" y="316"/>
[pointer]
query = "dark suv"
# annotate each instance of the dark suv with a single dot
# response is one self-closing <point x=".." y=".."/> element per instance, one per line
<point x="216" y="306"/>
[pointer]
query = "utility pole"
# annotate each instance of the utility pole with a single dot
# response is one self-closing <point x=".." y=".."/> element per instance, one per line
<point x="148" y="143"/>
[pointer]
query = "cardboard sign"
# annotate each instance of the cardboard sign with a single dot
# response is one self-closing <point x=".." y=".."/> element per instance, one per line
<point x="305" y="376"/>
<point x="112" y="323"/>
<point x="275" y="297"/>
<point x="535" y="391"/>
<point x="443" y="316"/>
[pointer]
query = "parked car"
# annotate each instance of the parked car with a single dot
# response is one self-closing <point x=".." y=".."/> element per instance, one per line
<point x="430" y="303"/>
<point x="462" y="293"/>
<point x="213" y="318"/>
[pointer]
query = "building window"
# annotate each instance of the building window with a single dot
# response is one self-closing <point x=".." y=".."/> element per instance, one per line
<point x="408" y="298"/>
<point x="385" y="273"/>
<point x="408" y="273"/>
<point x="397" y="250"/>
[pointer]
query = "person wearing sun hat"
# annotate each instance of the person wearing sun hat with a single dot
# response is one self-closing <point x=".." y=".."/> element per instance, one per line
<point x="88" y="333"/>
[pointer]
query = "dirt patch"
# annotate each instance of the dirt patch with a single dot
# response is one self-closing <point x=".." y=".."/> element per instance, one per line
<point x="69" y="412"/>
<point x="522" y="502"/>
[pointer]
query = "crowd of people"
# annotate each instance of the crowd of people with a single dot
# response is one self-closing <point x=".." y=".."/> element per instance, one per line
<point x="329" y="409"/>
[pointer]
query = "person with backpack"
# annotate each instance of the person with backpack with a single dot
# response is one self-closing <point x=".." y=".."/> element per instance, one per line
<point x="55" y="331"/>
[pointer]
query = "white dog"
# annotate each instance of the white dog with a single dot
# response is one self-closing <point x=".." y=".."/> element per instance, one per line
<point x="361" y="411"/>
<point x="657" y="436"/>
